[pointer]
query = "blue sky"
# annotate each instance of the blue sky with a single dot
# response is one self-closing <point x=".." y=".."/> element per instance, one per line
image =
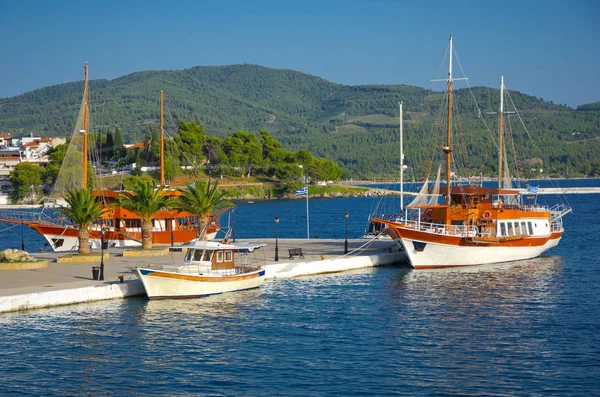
<point x="549" y="49"/>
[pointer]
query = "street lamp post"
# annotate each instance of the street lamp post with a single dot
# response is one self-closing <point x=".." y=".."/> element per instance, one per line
<point x="346" y="242"/>
<point x="276" y="239"/>
<point x="22" y="235"/>
<point x="101" y="254"/>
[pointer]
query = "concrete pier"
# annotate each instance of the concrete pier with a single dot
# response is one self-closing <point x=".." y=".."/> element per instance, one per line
<point x="70" y="283"/>
<point x="564" y="190"/>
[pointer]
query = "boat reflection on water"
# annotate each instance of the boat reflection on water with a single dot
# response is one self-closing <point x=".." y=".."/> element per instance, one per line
<point x="218" y="305"/>
<point x="478" y="319"/>
<point x="530" y="279"/>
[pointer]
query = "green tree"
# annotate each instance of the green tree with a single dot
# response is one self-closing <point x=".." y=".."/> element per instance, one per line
<point x="271" y="148"/>
<point x="109" y="147"/>
<point x="243" y="150"/>
<point x="289" y="172"/>
<point x="202" y="199"/>
<point x="190" y="140"/>
<point x="172" y="164"/>
<point x="213" y="151"/>
<point x="324" y="170"/>
<point x="119" y="149"/>
<point x="155" y="146"/>
<point x="144" y="201"/>
<point x="24" y="179"/>
<point x="252" y="149"/>
<point x="234" y="149"/>
<point x="83" y="209"/>
<point x="56" y="156"/>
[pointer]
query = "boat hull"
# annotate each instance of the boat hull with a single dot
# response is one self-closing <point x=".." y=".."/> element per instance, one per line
<point x="434" y="253"/>
<point x="65" y="238"/>
<point x="161" y="284"/>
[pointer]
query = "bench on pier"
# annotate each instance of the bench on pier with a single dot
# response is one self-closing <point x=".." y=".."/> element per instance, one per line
<point x="296" y="252"/>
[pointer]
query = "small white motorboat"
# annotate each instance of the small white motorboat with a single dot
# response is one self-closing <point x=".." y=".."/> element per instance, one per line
<point x="209" y="268"/>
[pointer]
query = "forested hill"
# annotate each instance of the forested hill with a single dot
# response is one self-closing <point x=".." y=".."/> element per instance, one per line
<point x="357" y="126"/>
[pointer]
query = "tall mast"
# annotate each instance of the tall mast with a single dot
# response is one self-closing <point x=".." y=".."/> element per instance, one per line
<point x="500" y="136"/>
<point x="162" y="143"/>
<point x="448" y="148"/>
<point x="85" y="126"/>
<point x="401" y="163"/>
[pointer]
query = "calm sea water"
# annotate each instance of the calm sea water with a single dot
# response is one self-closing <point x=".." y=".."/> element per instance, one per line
<point x="528" y="328"/>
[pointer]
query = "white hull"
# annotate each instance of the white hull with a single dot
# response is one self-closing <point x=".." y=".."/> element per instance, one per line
<point x="72" y="243"/>
<point x="161" y="284"/>
<point x="436" y="255"/>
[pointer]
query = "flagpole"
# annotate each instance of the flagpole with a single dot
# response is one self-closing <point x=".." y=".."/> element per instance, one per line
<point x="307" y="221"/>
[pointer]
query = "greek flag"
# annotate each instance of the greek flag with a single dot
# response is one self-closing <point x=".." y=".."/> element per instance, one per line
<point x="532" y="189"/>
<point x="302" y="192"/>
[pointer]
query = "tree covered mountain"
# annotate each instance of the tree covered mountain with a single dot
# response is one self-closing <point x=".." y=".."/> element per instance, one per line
<point x="356" y="126"/>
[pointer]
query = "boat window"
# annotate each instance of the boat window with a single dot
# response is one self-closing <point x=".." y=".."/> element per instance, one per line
<point x="530" y="228"/>
<point x="188" y="255"/>
<point x="502" y="229"/>
<point x="58" y="242"/>
<point x="207" y="256"/>
<point x="517" y="229"/>
<point x="198" y="255"/>
<point x="132" y="223"/>
<point x="523" y="229"/>
<point x="228" y="256"/>
<point x="219" y="256"/>
<point x="510" y="228"/>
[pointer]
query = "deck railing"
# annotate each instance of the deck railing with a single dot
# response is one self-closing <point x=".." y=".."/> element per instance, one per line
<point x="13" y="216"/>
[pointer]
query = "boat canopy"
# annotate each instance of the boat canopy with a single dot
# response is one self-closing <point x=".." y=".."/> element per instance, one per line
<point x="217" y="246"/>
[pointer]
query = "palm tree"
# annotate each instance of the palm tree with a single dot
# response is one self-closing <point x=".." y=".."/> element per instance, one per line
<point x="144" y="201"/>
<point x="83" y="209"/>
<point x="202" y="199"/>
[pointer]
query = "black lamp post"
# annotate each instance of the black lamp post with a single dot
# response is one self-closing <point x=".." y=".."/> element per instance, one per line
<point x="101" y="254"/>
<point x="346" y="242"/>
<point x="276" y="239"/>
<point x="22" y="238"/>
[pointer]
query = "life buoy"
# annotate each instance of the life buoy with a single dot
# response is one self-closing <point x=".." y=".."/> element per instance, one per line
<point x="428" y="213"/>
<point x="486" y="215"/>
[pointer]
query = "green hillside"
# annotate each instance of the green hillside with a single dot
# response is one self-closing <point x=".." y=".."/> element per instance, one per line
<point x="356" y="126"/>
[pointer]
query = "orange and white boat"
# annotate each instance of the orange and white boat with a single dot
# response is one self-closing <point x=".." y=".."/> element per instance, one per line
<point x="463" y="225"/>
<point x="118" y="227"/>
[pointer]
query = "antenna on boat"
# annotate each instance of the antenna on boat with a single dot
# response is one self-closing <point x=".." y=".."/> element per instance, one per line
<point x="162" y="143"/>
<point x="85" y="126"/>
<point x="401" y="163"/>
<point x="500" y="136"/>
